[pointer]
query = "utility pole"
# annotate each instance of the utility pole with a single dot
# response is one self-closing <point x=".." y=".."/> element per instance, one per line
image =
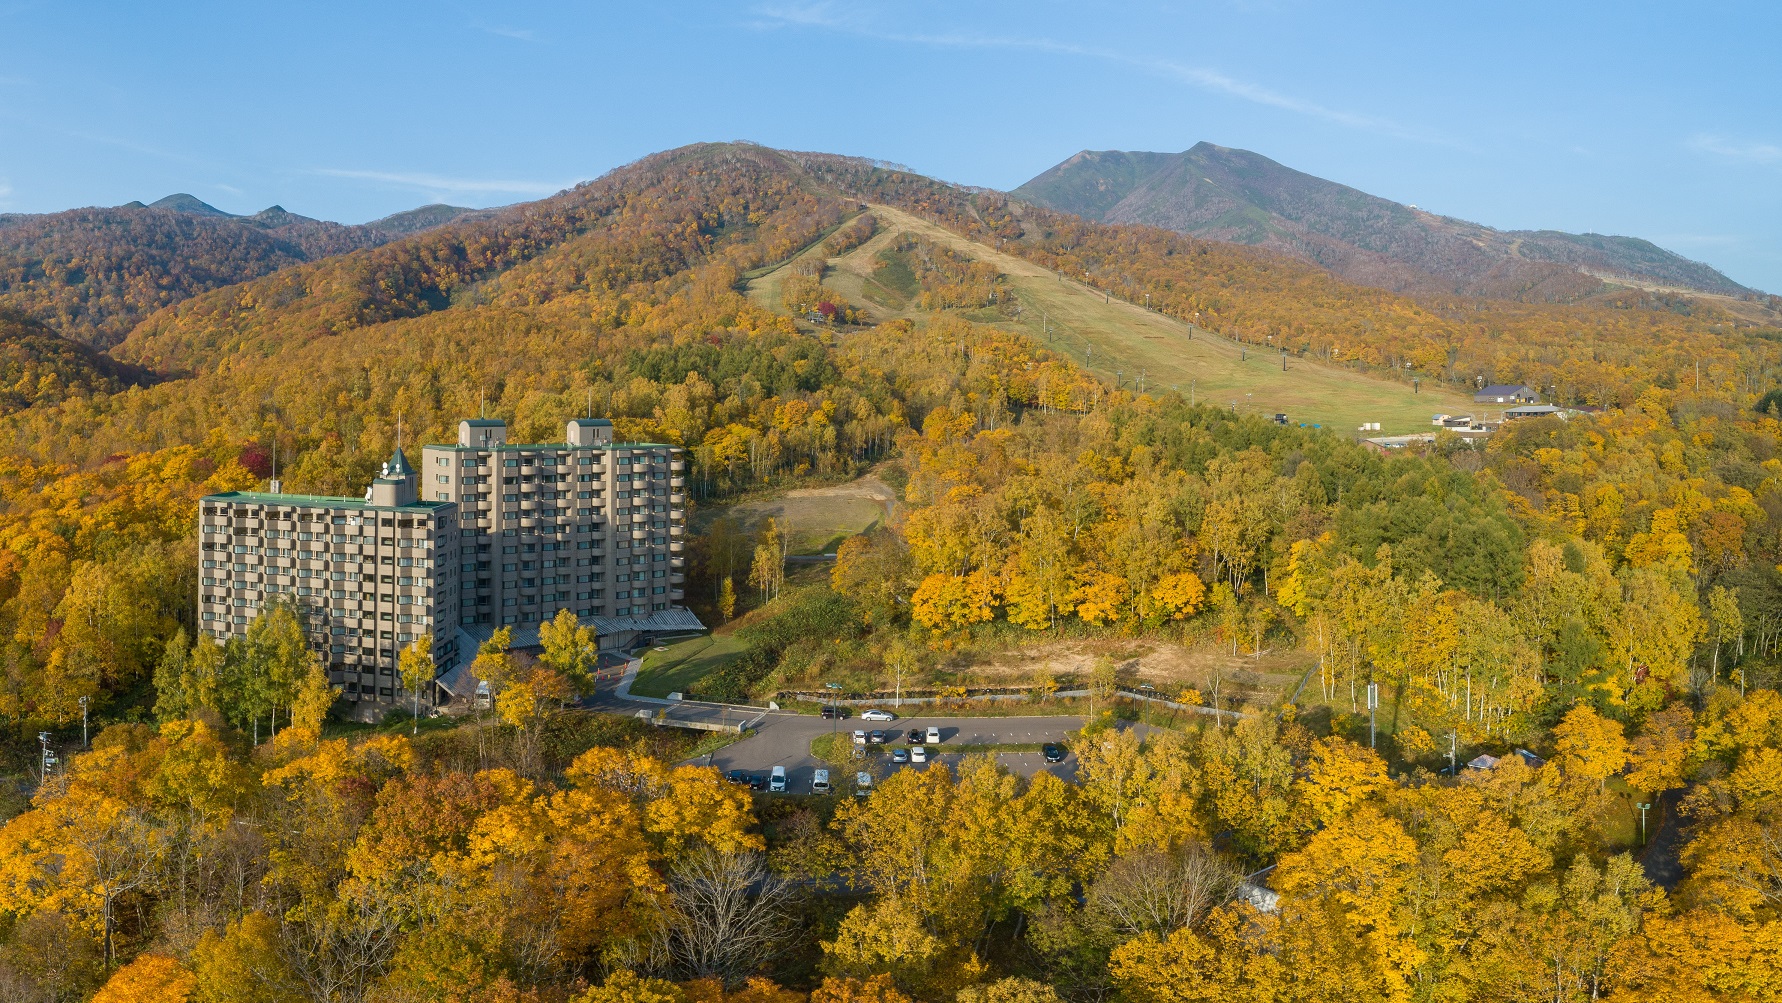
<point x="1373" y="704"/>
<point x="1453" y="754"/>
<point x="1643" y="808"/>
<point x="83" y="724"/>
<point x="43" y="738"/>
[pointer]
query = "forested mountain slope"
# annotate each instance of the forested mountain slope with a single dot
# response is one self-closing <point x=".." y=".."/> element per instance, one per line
<point x="1241" y="197"/>
<point x="92" y="274"/>
<point x="1602" y="591"/>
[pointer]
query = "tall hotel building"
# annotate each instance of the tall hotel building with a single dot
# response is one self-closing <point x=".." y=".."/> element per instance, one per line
<point x="484" y="535"/>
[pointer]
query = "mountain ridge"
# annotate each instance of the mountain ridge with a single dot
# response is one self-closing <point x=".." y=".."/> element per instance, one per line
<point x="1237" y="196"/>
<point x="93" y="273"/>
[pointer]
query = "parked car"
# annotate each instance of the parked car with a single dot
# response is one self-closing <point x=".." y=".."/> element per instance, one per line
<point x="1053" y="753"/>
<point x="916" y="735"/>
<point x="933" y="735"/>
<point x="828" y="712"/>
<point x="820" y="782"/>
<point x="876" y="714"/>
<point x="737" y="776"/>
<point x="918" y="753"/>
<point x="757" y="782"/>
<point x="900" y="755"/>
<point x="776" y="784"/>
<point x="875" y="737"/>
<point x="862" y="784"/>
<point x="859" y="737"/>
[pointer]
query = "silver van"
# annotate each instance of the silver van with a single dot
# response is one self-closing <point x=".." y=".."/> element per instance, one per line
<point x="820" y="782"/>
<point x="776" y="781"/>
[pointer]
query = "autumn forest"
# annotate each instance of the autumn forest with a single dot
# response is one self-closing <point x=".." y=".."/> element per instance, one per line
<point x="1588" y="608"/>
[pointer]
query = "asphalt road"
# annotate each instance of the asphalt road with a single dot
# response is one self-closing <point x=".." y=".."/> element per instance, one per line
<point x="785" y="740"/>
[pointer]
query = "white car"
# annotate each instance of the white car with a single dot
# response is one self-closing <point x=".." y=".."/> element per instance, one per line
<point x="776" y="782"/>
<point x="859" y="737"/>
<point x="877" y="715"/>
<point x="820" y="782"/>
<point x="918" y="754"/>
<point x="862" y="784"/>
<point x="933" y="735"/>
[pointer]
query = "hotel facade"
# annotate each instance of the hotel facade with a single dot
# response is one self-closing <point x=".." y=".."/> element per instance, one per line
<point x="485" y="534"/>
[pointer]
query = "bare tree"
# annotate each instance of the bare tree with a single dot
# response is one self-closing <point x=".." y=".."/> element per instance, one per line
<point x="338" y="952"/>
<point x="730" y="914"/>
<point x="1159" y="891"/>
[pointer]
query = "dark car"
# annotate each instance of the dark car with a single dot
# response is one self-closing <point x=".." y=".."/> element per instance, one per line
<point x="1053" y="753"/>
<point x="916" y="736"/>
<point x="757" y="782"/>
<point x="828" y="712"/>
<point x="737" y="776"/>
<point x="875" y="737"/>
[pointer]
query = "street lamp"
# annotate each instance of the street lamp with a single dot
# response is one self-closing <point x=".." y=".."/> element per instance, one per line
<point x="1643" y="809"/>
<point x="1373" y="704"/>
<point x="83" y="723"/>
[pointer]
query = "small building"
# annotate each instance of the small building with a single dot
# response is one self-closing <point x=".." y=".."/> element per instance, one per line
<point x="1255" y="890"/>
<point x="1504" y="393"/>
<point x="1533" y="411"/>
<point x="1452" y="421"/>
<point x="1487" y="761"/>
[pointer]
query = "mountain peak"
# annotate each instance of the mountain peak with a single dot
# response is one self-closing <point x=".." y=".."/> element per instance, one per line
<point x="1241" y="197"/>
<point x="182" y="202"/>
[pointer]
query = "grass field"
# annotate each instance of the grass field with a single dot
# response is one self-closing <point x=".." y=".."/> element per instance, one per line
<point x="1128" y="342"/>
<point x="683" y="663"/>
<point x="819" y="519"/>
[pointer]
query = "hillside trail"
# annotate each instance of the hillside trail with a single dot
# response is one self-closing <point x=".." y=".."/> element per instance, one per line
<point x="1139" y="348"/>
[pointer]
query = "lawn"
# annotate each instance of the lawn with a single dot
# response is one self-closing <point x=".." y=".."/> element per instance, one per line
<point x="684" y="663"/>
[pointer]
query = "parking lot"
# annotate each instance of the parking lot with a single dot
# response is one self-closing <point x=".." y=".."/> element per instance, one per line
<point x="785" y="740"/>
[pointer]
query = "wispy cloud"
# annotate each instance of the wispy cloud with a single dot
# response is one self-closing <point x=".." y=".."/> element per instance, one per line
<point x="825" y="16"/>
<point x="1726" y="149"/>
<point x="231" y="189"/>
<point x="439" y="183"/>
<point x="522" y="34"/>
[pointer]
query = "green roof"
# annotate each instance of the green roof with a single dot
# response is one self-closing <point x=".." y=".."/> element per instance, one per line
<point x="321" y="501"/>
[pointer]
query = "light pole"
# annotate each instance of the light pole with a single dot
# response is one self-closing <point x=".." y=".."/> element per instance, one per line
<point x="1643" y="808"/>
<point x="83" y="723"/>
<point x="1373" y="704"/>
<point x="43" y="738"/>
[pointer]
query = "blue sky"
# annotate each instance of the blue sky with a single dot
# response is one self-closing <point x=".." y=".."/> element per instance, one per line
<point x="1657" y="120"/>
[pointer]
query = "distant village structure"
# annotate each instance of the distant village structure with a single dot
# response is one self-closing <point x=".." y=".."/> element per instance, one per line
<point x="1503" y="393"/>
<point x="487" y="534"/>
